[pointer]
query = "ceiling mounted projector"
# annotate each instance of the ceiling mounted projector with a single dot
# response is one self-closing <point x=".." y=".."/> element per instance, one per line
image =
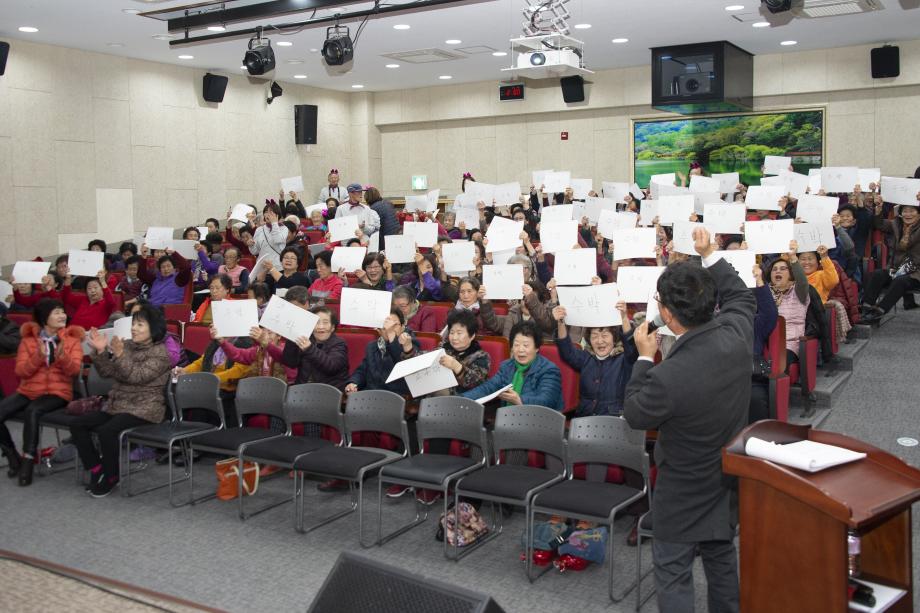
<point x="777" y="6"/>
<point x="259" y="58"/>
<point x="560" y="57"/>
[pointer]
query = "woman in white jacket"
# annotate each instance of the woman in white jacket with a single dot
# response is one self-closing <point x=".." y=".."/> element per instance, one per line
<point x="269" y="239"/>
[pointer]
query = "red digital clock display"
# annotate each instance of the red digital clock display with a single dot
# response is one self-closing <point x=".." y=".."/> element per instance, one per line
<point x="511" y="92"/>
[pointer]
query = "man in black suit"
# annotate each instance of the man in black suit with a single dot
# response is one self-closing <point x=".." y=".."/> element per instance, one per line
<point x="698" y="400"/>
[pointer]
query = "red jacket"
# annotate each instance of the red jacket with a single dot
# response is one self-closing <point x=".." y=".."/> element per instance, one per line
<point x="35" y="377"/>
<point x="423" y="320"/>
<point x="88" y="315"/>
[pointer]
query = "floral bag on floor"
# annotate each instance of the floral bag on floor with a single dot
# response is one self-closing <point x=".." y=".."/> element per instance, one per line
<point x="472" y="526"/>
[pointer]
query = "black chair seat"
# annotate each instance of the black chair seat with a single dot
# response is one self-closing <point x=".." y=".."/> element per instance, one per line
<point x="341" y="462"/>
<point x="166" y="431"/>
<point x="428" y="467"/>
<point x="505" y="480"/>
<point x="285" y="450"/>
<point x="576" y="496"/>
<point x="230" y="439"/>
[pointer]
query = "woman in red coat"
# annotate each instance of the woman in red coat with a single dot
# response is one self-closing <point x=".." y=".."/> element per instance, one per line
<point x="49" y="357"/>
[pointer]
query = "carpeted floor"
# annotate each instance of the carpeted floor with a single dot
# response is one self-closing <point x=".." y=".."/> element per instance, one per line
<point x="206" y="555"/>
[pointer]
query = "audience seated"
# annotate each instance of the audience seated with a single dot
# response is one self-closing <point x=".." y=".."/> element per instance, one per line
<point x="167" y="283"/>
<point x="903" y="273"/>
<point x="419" y="317"/>
<point x="328" y="285"/>
<point x="231" y="267"/>
<point x="789" y="287"/>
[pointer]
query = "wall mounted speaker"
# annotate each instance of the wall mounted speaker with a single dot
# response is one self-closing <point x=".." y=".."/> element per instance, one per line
<point x="886" y="62"/>
<point x="305" y="116"/>
<point x="214" y="87"/>
<point x="573" y="88"/>
<point x="4" y="53"/>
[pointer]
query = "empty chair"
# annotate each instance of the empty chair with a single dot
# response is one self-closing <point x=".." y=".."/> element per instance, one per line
<point x="308" y="403"/>
<point x="367" y="411"/>
<point x="199" y="390"/>
<point x="529" y="427"/>
<point x="604" y="440"/>
<point x="254" y="396"/>
<point x="445" y="417"/>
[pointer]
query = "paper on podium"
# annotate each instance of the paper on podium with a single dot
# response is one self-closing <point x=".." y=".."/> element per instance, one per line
<point x="804" y="455"/>
<point x="494" y="394"/>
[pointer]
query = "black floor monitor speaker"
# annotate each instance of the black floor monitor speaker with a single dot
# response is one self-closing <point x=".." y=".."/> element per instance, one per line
<point x="4" y="53"/>
<point x="573" y="88"/>
<point x="305" y="123"/>
<point x="357" y="585"/>
<point x="214" y="87"/>
<point x="886" y="62"/>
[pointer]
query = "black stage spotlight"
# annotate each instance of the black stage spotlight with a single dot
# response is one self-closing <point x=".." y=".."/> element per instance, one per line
<point x="338" y="48"/>
<point x="276" y="92"/>
<point x="259" y="58"/>
<point x="777" y="6"/>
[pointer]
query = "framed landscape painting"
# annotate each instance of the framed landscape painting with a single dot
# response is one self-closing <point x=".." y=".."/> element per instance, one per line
<point x="727" y="143"/>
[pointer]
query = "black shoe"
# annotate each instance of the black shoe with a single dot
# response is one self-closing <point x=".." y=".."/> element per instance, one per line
<point x="103" y="487"/>
<point x="94" y="480"/>
<point x="25" y="471"/>
<point x="12" y="457"/>
<point x="909" y="306"/>
<point x="872" y="317"/>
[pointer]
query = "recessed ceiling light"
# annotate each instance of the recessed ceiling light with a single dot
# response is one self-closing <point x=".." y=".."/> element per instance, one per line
<point x="734" y="7"/>
<point x="216" y="28"/>
<point x="582" y="26"/>
<point x="300" y="76"/>
<point x="789" y="43"/>
<point x="28" y="29"/>
<point x="499" y="53"/>
<point x="620" y="40"/>
<point x="357" y="86"/>
<point x="163" y="36"/>
<point x="243" y="67"/>
<point x="313" y="50"/>
<point x="445" y="77"/>
<point x="452" y="41"/>
<point x="186" y="57"/>
<point x="392" y="65"/>
<point x="131" y="11"/>
<point x="115" y="44"/>
<point x="284" y="43"/>
<point x="401" y="26"/>
<point x="760" y="24"/>
<point x="293" y="61"/>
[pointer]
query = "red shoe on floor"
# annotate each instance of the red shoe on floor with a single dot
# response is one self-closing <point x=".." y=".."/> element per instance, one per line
<point x="333" y="485"/>
<point x="396" y="490"/>
<point x="569" y="562"/>
<point x="541" y="557"/>
<point x="428" y="497"/>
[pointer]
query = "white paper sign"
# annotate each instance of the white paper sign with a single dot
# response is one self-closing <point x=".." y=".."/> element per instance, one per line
<point x="321" y="206"/>
<point x="636" y="191"/>
<point x="202" y="231"/>
<point x="504" y="234"/>
<point x="348" y="258"/>
<point x="771" y="236"/>
<point x="30" y="272"/>
<point x="674" y="208"/>
<point x="480" y="192"/>
<point x="365" y="308"/>
<point x="558" y="236"/>
<point x="158" y="238"/>
<point x="373" y="243"/>
<point x="184" y="248"/>
<point x="795" y="184"/>
<point x="239" y="212"/>
<point x="424" y="374"/>
<point x="281" y="292"/>
<point x="581" y="188"/>
<point x="400" y="249"/>
<point x="776" y="181"/>
<point x="507" y="194"/>
<point x="611" y="221"/>
<point x="663" y="179"/>
<point x="6" y="292"/>
<point x="503" y="281"/>
<point x="575" y="267"/>
<point x="502" y="257"/>
<point x="292" y="184"/>
<point x="637" y="283"/>
<point x="342" y="228"/>
<point x="85" y="263"/>
<point x="556" y="182"/>
<point x="728" y="182"/>
<point x="683" y="236"/>
<point x="468" y="217"/>
<point x="764" y="197"/>
<point x="869" y="175"/>
<point x="424" y="233"/>
<point x="417" y="203"/>
<point x="814" y="180"/>
<point x="234" y="317"/>
<point x="539" y="177"/>
<point x="122" y="328"/>
<point x="648" y="211"/>
<point x="591" y="306"/>
<point x="458" y="256"/>
<point x="810" y="236"/>
<point x="634" y="243"/>
<point x="724" y="218"/>
<point x="839" y="179"/>
<point x="775" y="164"/>
<point x="616" y="191"/>
<point x="900" y="191"/>
<point x="704" y="185"/>
<point x="743" y="263"/>
<point x="702" y="199"/>
<point x="287" y="319"/>
<point x="494" y="394"/>
<point x="816" y="209"/>
<point x="594" y="206"/>
<point x="556" y="212"/>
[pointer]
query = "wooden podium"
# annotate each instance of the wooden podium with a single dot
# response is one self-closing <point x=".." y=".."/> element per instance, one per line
<point x="794" y="523"/>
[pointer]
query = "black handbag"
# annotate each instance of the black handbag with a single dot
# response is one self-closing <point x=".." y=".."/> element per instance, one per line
<point x="762" y="367"/>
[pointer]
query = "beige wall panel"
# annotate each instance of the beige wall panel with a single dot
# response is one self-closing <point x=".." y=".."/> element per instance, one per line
<point x="210" y="128"/>
<point x="6" y="189"/>
<point x="31" y="111"/>
<point x="113" y="165"/>
<point x="182" y="207"/>
<point x="31" y="66"/>
<point x="36" y="232"/>
<point x="110" y="77"/>
<point x="149" y="171"/>
<point x="33" y="163"/>
<point x="76" y="186"/>
<point x="111" y="121"/>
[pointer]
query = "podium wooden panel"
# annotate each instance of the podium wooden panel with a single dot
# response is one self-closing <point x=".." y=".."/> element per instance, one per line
<point x="794" y="524"/>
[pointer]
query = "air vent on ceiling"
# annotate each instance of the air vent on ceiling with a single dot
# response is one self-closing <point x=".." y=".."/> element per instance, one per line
<point x="424" y="56"/>
<point x="833" y="8"/>
<point x="477" y="49"/>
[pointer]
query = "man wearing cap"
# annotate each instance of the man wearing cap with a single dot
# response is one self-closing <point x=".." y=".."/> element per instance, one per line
<point x="368" y="220"/>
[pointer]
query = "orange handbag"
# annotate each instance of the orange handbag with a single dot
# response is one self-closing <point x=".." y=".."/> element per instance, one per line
<point x="228" y="472"/>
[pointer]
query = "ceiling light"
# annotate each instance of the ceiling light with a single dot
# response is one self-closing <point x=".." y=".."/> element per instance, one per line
<point x="115" y="44"/>
<point x="131" y="11"/>
<point x="243" y="67"/>
<point x="761" y="24"/>
<point x="401" y="26"/>
<point x="499" y="53"/>
<point x="445" y="77"/>
<point x="259" y="57"/>
<point x="582" y="26"/>
<point x="453" y="41"/>
<point x="163" y="36"/>
<point x="734" y="7"/>
<point x="357" y="86"/>
<point x="300" y="76"/>
<point x="284" y="43"/>
<point x="313" y="50"/>
<point x="186" y="57"/>
<point x="620" y="40"/>
<point x="28" y="29"/>
<point x="216" y="28"/>
<point x="338" y="48"/>
<point x="789" y="43"/>
<point x="392" y="65"/>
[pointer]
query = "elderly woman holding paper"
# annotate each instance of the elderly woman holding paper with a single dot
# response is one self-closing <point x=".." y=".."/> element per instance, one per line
<point x="92" y="309"/>
<point x="269" y="239"/>
<point x="320" y="358"/>
<point x="395" y="343"/>
<point x="167" y="283"/>
<point x="789" y="287"/>
<point x="903" y="275"/>
<point x="528" y="376"/>
<point x="533" y="307"/>
<point x="428" y="280"/>
<point x="328" y="285"/>
<point x="288" y="276"/>
<point x="419" y="317"/>
<point x="376" y="272"/>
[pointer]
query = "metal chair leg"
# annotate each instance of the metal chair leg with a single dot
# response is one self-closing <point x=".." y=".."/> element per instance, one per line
<point x="418" y="520"/>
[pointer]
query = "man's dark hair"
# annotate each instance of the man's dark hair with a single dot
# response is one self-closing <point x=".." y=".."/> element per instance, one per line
<point x="689" y="292"/>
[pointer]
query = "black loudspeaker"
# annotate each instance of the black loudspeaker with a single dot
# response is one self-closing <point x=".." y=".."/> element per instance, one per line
<point x="358" y="585"/>
<point x="573" y="88"/>
<point x="305" y="123"/>
<point x="886" y="62"/>
<point x="4" y="53"/>
<point x="214" y="87"/>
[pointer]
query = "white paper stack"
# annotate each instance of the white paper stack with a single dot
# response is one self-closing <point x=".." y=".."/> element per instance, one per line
<point x="804" y="455"/>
